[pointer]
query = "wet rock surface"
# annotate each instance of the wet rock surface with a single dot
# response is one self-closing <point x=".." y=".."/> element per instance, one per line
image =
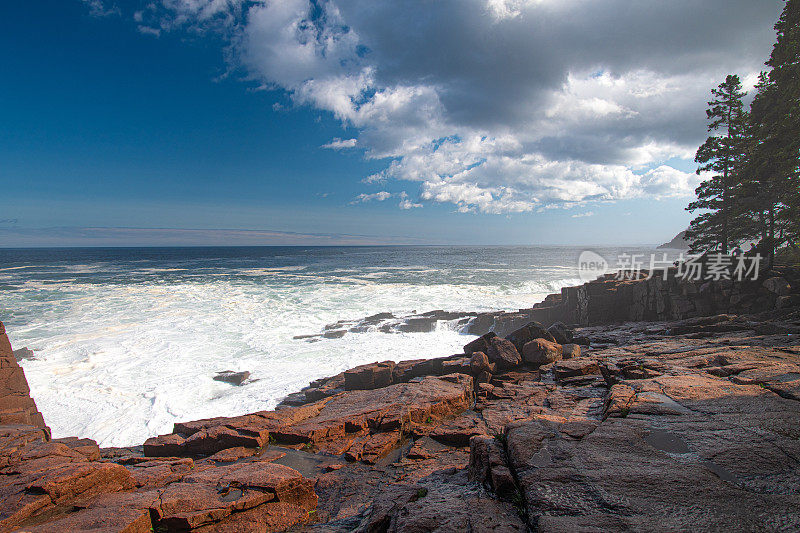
<point x="231" y="377"/>
<point x="24" y="354"/>
<point x="390" y="323"/>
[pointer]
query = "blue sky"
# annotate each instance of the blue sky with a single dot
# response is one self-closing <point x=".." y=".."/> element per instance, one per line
<point x="207" y="125"/>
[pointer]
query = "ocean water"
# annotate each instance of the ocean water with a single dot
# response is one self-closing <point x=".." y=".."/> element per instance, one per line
<point x="126" y="341"/>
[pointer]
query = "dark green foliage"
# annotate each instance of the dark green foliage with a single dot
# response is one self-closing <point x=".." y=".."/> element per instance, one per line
<point x="721" y="155"/>
<point x="754" y="190"/>
<point x="788" y="257"/>
<point x="772" y="172"/>
<point x="762" y="176"/>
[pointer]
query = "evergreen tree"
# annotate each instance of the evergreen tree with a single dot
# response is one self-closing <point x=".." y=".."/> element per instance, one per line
<point x="722" y="155"/>
<point x="785" y="77"/>
<point x="771" y="171"/>
<point x="760" y="175"/>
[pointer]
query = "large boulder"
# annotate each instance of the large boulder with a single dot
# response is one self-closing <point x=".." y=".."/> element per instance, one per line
<point x="503" y="353"/>
<point x="479" y="362"/>
<point x="540" y="352"/>
<point x="527" y="333"/>
<point x="481" y="344"/>
<point x="322" y="388"/>
<point x="207" y="441"/>
<point x="560" y="332"/>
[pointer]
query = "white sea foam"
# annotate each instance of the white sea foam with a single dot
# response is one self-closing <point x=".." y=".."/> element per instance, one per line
<point x="124" y="349"/>
<point x="120" y="363"/>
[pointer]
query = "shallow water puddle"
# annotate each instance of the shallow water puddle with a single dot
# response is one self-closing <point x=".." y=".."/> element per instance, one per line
<point x="308" y="464"/>
<point x="666" y="441"/>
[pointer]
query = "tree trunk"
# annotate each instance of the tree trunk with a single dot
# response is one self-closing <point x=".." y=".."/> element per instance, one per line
<point x="771" y="237"/>
<point x="726" y="185"/>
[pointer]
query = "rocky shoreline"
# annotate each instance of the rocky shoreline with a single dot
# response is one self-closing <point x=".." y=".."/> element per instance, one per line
<point x="665" y="405"/>
<point x="662" y="296"/>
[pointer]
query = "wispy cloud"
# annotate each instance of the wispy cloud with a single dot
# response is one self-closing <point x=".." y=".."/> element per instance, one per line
<point x="101" y="8"/>
<point x="405" y="200"/>
<point x="341" y="144"/>
<point x="583" y="215"/>
<point x="147" y="30"/>
<point x="376" y="196"/>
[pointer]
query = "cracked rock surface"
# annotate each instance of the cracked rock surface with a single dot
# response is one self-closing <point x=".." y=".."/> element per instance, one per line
<point x="656" y="426"/>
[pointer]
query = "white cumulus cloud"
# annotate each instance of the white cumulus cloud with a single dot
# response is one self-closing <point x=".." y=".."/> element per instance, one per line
<point x="499" y="106"/>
